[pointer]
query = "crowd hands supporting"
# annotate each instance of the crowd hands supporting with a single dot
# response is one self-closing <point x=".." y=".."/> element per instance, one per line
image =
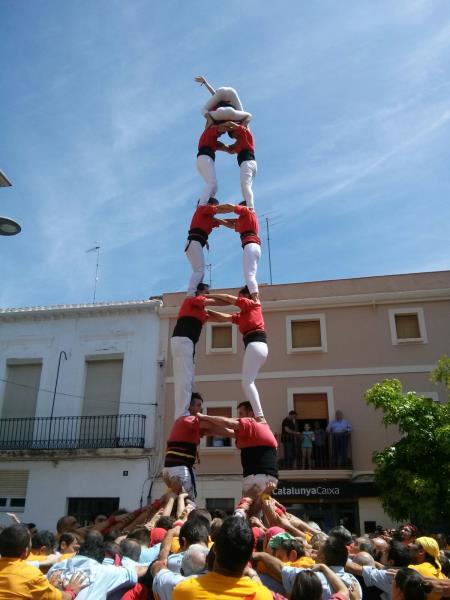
<point x="173" y="549"/>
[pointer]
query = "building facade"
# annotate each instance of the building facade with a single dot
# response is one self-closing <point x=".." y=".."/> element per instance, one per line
<point x="79" y="396"/>
<point x="329" y="342"/>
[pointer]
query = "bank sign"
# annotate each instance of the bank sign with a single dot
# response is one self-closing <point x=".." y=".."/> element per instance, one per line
<point x="329" y="489"/>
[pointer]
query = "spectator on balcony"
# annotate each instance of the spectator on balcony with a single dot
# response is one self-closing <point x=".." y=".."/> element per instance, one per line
<point x="289" y="438"/>
<point x="319" y="446"/>
<point x="307" y="445"/>
<point x="339" y="429"/>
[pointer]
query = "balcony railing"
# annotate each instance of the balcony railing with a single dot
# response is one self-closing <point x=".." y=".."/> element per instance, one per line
<point x="73" y="433"/>
<point x="334" y="452"/>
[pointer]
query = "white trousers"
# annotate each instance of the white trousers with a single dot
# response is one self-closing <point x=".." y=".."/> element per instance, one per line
<point x="255" y="356"/>
<point x="248" y="172"/>
<point x="207" y="169"/>
<point x="226" y="113"/>
<point x="195" y="255"/>
<point x="179" y="477"/>
<point x="260" y="482"/>
<point x="183" y="373"/>
<point x="251" y="256"/>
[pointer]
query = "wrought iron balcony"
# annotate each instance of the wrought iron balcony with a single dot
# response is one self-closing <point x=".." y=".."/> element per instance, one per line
<point x="73" y="433"/>
<point x="332" y="453"/>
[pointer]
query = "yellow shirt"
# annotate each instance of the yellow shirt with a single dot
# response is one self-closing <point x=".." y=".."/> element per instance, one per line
<point x="304" y="562"/>
<point x="21" y="580"/>
<point x="219" y="587"/>
<point x="426" y="569"/>
<point x="175" y="547"/>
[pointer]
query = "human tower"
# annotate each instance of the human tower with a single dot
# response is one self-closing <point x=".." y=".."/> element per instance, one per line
<point x="224" y="113"/>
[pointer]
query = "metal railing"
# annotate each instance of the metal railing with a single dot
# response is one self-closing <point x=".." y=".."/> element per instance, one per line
<point x="333" y="452"/>
<point x="67" y="433"/>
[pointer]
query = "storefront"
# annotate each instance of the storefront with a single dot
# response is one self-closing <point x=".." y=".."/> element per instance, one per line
<point x="327" y="503"/>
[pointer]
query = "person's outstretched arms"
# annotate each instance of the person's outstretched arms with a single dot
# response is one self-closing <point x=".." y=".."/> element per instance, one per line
<point x="219" y="317"/>
<point x="227" y="298"/>
<point x="202" y="81"/>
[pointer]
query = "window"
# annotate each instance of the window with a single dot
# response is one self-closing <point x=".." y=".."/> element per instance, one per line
<point x="407" y="326"/>
<point x="20" y="398"/>
<point x="103" y="386"/>
<point x="221" y="338"/>
<point x="13" y="490"/>
<point x="225" y="504"/>
<point x="21" y="389"/>
<point x="219" y="409"/>
<point x="101" y="397"/>
<point x="306" y="333"/>
<point x="434" y="396"/>
<point x="84" y="508"/>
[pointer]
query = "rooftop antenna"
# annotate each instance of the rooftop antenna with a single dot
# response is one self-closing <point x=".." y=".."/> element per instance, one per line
<point x="95" y="248"/>
<point x="209" y="268"/>
<point x="268" y="248"/>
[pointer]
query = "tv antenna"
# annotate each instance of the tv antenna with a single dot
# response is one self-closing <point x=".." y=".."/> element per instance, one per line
<point x="96" y="249"/>
<point x="209" y="268"/>
<point x="268" y="248"/>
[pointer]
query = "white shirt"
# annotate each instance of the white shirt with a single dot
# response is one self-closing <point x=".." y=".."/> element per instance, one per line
<point x="341" y="426"/>
<point x="288" y="575"/>
<point x="380" y="579"/>
<point x="102" y="578"/>
<point x="164" y="582"/>
<point x="174" y="562"/>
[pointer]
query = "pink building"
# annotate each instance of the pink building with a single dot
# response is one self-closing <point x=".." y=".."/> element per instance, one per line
<point x="329" y="341"/>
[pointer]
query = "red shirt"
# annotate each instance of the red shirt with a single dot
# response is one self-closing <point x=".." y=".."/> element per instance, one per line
<point x="209" y="138"/>
<point x="138" y="592"/>
<point x="247" y="221"/>
<point x="186" y="429"/>
<point x="194" y="306"/>
<point x="251" y="433"/>
<point x="244" y="140"/>
<point x="203" y="218"/>
<point x="250" y="318"/>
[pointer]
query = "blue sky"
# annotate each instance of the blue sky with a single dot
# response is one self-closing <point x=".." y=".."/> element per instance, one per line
<point x="100" y="121"/>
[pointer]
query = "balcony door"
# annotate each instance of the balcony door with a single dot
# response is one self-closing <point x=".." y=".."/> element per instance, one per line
<point x="101" y="403"/>
<point x="19" y="403"/>
<point x="312" y="408"/>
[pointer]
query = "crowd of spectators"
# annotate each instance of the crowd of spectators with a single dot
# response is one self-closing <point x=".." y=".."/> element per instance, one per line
<point x="172" y="549"/>
<point x="313" y="444"/>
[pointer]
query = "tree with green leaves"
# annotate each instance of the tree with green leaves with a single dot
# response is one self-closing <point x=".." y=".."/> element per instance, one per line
<point x="413" y="475"/>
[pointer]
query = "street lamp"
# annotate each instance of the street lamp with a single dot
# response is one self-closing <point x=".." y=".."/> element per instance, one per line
<point x="7" y="225"/>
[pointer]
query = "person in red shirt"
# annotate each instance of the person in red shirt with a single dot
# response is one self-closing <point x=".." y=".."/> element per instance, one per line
<point x="206" y="156"/>
<point x="203" y="222"/>
<point x="191" y="317"/>
<point x="248" y="228"/>
<point x="258" y="448"/>
<point x="224" y="104"/>
<point x="251" y="325"/>
<point x="244" y="147"/>
<point x="181" y="450"/>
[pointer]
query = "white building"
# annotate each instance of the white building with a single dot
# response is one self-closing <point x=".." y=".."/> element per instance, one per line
<point x="91" y="445"/>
